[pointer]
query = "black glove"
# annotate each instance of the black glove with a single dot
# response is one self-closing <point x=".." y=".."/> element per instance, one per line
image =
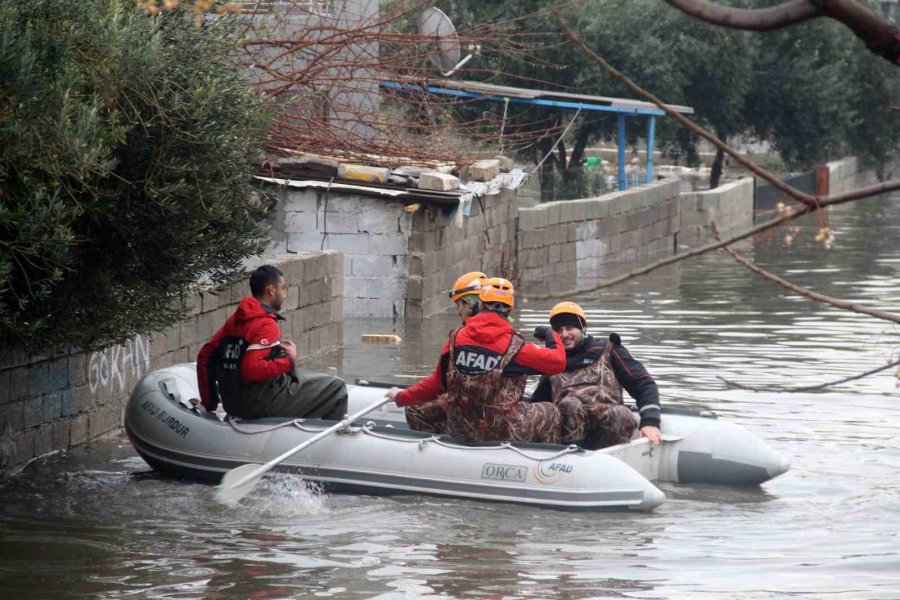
<point x="543" y="333"/>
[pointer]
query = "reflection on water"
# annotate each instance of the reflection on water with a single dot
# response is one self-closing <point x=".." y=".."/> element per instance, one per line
<point x="94" y="523"/>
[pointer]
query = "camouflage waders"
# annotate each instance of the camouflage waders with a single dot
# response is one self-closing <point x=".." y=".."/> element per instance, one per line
<point x="488" y="406"/>
<point x="430" y="417"/>
<point x="591" y="404"/>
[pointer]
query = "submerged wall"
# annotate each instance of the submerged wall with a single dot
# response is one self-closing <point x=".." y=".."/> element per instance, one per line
<point x="55" y="401"/>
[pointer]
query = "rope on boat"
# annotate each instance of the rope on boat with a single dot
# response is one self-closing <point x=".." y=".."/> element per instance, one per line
<point x="298" y="423"/>
<point x="435" y="439"/>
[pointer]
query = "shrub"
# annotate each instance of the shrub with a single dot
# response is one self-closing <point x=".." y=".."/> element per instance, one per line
<point x="126" y="146"/>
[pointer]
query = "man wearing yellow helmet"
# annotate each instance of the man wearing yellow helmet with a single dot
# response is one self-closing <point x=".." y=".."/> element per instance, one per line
<point x="480" y="378"/>
<point x="589" y="392"/>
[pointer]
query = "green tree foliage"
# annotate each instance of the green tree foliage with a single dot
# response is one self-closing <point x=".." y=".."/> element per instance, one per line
<point x="813" y="91"/>
<point x="126" y="145"/>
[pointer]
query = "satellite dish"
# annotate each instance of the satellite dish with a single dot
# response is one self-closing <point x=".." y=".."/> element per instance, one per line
<point x="433" y="23"/>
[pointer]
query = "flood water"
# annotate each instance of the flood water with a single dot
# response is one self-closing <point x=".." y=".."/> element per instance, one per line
<point x="95" y="523"/>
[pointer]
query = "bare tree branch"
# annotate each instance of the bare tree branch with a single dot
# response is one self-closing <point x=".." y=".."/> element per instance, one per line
<point x="803" y="197"/>
<point x="809" y="202"/>
<point x="805" y="388"/>
<point x="759" y="19"/>
<point x="880" y="36"/>
<point x="836" y="302"/>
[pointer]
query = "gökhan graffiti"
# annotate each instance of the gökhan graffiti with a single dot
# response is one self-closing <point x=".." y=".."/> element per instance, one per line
<point x="110" y="369"/>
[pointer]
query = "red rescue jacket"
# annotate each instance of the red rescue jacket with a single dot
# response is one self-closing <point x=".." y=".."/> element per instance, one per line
<point x="487" y="335"/>
<point x="264" y="358"/>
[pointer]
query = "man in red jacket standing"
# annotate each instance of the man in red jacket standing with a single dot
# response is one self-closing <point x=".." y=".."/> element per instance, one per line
<point x="253" y="370"/>
<point x="481" y="375"/>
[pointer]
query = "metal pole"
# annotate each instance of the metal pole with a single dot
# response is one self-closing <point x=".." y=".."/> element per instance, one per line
<point x="651" y="129"/>
<point x="623" y="185"/>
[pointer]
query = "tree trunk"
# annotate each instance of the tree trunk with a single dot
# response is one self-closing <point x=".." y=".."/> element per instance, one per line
<point x="716" y="173"/>
<point x="547" y="171"/>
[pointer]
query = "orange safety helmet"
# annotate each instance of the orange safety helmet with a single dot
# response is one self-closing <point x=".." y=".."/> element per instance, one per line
<point x="497" y="289"/>
<point x="567" y="308"/>
<point x="470" y="283"/>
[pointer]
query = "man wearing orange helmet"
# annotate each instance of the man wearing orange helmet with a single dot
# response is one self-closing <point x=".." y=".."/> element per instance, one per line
<point x="465" y="292"/>
<point x="432" y="416"/>
<point x="589" y="392"/>
<point x="480" y="377"/>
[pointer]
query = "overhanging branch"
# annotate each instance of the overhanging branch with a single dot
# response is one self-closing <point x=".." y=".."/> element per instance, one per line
<point x="754" y="19"/>
<point x="880" y="36"/>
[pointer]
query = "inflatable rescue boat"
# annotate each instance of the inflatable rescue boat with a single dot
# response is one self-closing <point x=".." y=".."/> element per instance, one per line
<point x="379" y="454"/>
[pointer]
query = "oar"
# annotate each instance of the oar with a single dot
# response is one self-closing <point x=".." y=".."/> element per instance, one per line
<point x="239" y="481"/>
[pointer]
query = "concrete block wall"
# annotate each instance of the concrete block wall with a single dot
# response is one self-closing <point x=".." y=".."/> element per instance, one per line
<point x="730" y="206"/>
<point x="575" y="238"/>
<point x="55" y="401"/>
<point x="372" y="233"/>
<point x="843" y="175"/>
<point x="445" y="243"/>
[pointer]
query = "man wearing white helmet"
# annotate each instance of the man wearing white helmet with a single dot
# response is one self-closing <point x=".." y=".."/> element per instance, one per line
<point x="589" y="392"/>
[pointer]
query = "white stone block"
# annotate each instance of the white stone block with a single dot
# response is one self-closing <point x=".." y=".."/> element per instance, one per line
<point x="484" y="170"/>
<point x="338" y="222"/>
<point x="304" y="242"/>
<point x="434" y="180"/>
<point x="393" y="244"/>
<point x="348" y="243"/>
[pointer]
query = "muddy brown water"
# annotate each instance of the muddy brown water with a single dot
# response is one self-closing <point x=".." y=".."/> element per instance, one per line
<point x="95" y="523"/>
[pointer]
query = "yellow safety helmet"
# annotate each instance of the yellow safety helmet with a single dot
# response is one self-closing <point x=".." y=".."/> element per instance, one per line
<point x="497" y="289"/>
<point x="470" y="283"/>
<point x="557" y="318"/>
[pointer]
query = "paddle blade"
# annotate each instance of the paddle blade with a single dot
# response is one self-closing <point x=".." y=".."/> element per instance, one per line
<point x="232" y="488"/>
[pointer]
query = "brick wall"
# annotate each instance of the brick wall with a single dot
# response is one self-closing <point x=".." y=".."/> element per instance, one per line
<point x="567" y="240"/>
<point x="372" y="233"/>
<point x="55" y="401"/>
<point x="398" y="263"/>
<point x="730" y="206"/>
<point x="447" y="243"/>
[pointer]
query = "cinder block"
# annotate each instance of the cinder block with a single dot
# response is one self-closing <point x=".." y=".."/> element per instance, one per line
<point x="13" y="414"/>
<point x="18" y="388"/>
<point x="62" y="431"/>
<point x="348" y="204"/>
<point x="338" y="222"/>
<point x="52" y="405"/>
<point x="383" y="220"/>
<point x="395" y="244"/>
<point x="372" y="266"/>
<point x="554" y="212"/>
<point x="484" y="170"/>
<point x="301" y="222"/>
<point x="24" y="446"/>
<point x="297" y="200"/>
<point x="439" y="181"/>
<point x="555" y="254"/>
<point x="5" y="391"/>
<point x="43" y="439"/>
<point x="304" y="242"/>
<point x="386" y="287"/>
<point x="348" y="243"/>
<point x="34" y="413"/>
<point x="70" y="404"/>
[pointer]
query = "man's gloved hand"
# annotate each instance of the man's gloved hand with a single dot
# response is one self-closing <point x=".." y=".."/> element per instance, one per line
<point x="543" y="332"/>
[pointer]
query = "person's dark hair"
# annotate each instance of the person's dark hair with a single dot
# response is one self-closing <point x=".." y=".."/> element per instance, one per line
<point x="262" y="277"/>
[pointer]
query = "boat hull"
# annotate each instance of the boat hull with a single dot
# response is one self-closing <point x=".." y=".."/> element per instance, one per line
<point x="374" y="456"/>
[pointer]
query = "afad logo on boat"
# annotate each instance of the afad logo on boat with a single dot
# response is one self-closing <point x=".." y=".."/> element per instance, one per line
<point x="549" y="472"/>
